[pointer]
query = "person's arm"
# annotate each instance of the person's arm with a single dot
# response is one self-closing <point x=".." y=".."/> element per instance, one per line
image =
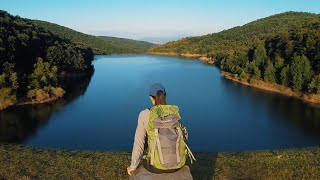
<point x="139" y="140"/>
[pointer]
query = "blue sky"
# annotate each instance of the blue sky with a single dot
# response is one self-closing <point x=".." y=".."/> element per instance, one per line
<point x="142" y="19"/>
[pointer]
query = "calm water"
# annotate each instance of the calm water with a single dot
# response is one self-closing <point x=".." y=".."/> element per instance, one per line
<point x="100" y="112"/>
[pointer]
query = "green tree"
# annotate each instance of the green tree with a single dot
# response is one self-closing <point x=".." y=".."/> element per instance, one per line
<point x="314" y="86"/>
<point x="55" y="54"/>
<point x="269" y="74"/>
<point x="317" y="58"/>
<point x="42" y="82"/>
<point x="23" y="39"/>
<point x="278" y="62"/>
<point x="285" y="76"/>
<point x="2" y="47"/>
<point x="301" y="71"/>
<point x="75" y="59"/>
<point x="253" y="70"/>
<point x="43" y="75"/>
<point x="79" y="64"/>
<point x="8" y="86"/>
<point x="259" y="56"/>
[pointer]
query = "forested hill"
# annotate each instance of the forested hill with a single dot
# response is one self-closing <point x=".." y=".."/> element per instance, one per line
<point x="141" y="46"/>
<point x="31" y="58"/>
<point x="100" y="45"/>
<point x="239" y="38"/>
<point x="282" y="49"/>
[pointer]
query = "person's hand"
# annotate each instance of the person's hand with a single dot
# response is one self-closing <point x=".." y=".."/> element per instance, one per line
<point x="129" y="170"/>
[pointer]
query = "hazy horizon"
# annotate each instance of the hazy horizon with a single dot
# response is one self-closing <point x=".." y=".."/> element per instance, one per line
<point x="153" y="21"/>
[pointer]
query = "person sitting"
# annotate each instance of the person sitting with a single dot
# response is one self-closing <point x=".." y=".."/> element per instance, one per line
<point x="166" y="152"/>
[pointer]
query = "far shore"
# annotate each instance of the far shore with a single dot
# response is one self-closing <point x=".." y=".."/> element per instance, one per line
<point x="287" y="91"/>
<point x="202" y="57"/>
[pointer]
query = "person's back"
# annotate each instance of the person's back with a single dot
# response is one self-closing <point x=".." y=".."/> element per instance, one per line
<point x="166" y="139"/>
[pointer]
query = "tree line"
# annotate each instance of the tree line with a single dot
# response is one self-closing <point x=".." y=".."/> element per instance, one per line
<point x="291" y="58"/>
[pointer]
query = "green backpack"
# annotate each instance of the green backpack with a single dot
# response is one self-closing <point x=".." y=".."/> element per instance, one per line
<point x="167" y="138"/>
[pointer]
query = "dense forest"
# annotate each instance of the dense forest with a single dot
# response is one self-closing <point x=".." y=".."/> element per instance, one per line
<point x="282" y="49"/>
<point x="99" y="45"/>
<point x="31" y="58"/>
<point x="137" y="46"/>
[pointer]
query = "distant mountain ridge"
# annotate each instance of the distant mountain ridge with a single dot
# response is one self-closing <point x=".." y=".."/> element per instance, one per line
<point x="164" y="39"/>
<point x="99" y="45"/>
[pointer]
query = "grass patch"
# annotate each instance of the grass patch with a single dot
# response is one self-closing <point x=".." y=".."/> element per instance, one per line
<point x="20" y="162"/>
<point x="283" y="164"/>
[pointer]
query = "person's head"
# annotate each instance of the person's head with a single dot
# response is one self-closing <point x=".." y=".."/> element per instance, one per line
<point x="157" y="94"/>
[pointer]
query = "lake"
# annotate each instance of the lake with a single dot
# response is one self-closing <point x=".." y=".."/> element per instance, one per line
<point x="100" y="112"/>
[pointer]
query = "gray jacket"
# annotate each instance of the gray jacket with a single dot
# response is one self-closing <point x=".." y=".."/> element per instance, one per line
<point x="139" y="138"/>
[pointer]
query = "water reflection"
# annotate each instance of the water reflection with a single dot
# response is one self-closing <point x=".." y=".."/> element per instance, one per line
<point x="19" y="123"/>
<point x="303" y="116"/>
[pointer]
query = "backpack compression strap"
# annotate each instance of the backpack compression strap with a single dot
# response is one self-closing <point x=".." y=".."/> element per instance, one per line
<point x="153" y="149"/>
<point x="159" y="146"/>
<point x="156" y="143"/>
<point x="191" y="156"/>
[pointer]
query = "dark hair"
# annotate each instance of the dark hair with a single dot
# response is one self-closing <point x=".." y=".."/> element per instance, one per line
<point x="160" y="99"/>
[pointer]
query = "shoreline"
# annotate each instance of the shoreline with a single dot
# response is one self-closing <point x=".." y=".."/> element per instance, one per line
<point x="65" y="74"/>
<point x="202" y="57"/>
<point x="283" y="90"/>
<point x="26" y="101"/>
<point x="313" y="99"/>
<point x="62" y="75"/>
<point x="30" y="102"/>
<point x="52" y="96"/>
